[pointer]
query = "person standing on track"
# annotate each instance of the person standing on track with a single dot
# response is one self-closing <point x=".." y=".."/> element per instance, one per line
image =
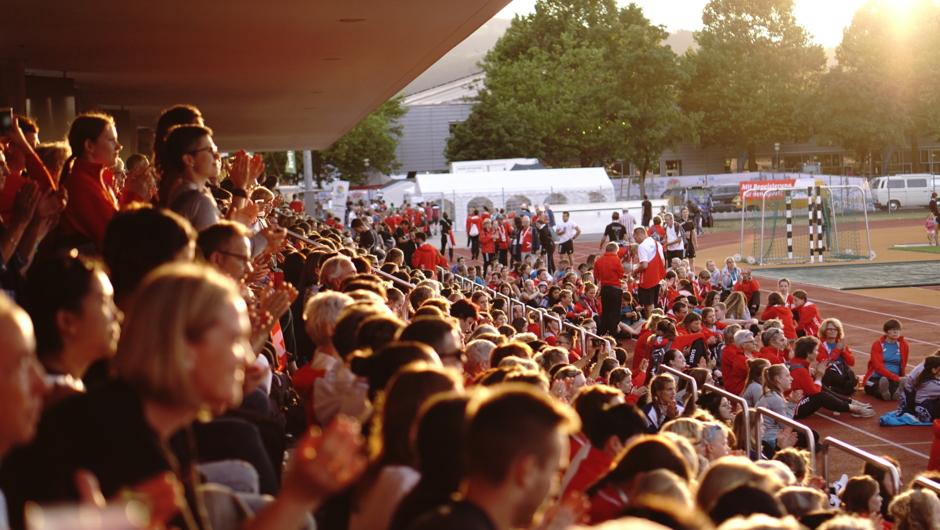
<point x="629" y="223"/>
<point x="474" y="227"/>
<point x="647" y="211"/>
<point x="691" y="237"/>
<point x="567" y="231"/>
<point x="675" y="246"/>
<point x="613" y="232"/>
<point x="608" y="272"/>
<point x="650" y="271"/>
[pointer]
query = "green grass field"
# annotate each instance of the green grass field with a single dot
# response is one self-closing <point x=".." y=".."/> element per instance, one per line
<point x="929" y="250"/>
<point x="727" y="225"/>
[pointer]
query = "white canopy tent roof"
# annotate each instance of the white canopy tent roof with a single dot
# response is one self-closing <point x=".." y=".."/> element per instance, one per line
<point x="510" y="189"/>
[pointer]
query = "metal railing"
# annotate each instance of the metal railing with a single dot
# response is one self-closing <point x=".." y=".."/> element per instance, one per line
<point x="394" y="279"/>
<point x="308" y="241"/>
<point x="583" y="335"/>
<point x="929" y="484"/>
<point x="688" y="378"/>
<point x="742" y="404"/>
<point x="830" y="442"/>
<point x="810" y="440"/>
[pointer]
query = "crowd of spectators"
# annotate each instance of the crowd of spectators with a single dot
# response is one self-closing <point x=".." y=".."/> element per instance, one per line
<point x="175" y="335"/>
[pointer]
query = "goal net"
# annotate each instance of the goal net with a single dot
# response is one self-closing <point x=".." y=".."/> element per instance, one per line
<point x="807" y="225"/>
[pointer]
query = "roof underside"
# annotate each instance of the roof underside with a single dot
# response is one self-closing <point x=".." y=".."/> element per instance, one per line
<point x="288" y="75"/>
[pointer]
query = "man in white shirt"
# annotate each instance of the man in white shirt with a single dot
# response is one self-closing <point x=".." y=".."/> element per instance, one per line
<point x="567" y="231"/>
<point x="629" y="222"/>
<point x="674" y="243"/>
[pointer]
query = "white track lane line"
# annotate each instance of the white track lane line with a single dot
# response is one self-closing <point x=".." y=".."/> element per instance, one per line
<point x="853" y="293"/>
<point x="875" y="436"/>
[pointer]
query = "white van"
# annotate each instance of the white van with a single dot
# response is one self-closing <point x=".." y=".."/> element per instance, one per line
<point x="904" y="191"/>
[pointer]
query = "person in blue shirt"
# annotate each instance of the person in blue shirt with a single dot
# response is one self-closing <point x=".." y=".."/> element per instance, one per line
<point x="887" y="366"/>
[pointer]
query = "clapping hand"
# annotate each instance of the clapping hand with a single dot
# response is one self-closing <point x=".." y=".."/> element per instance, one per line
<point x="786" y="438"/>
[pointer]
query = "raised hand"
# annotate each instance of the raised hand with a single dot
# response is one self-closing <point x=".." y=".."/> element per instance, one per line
<point x="255" y="168"/>
<point x="786" y="438"/>
<point x="24" y="206"/>
<point x="326" y="461"/>
<point x="561" y="515"/>
<point x="51" y="203"/>
<point x="239" y="171"/>
<point x="277" y="239"/>
<point x="246" y="215"/>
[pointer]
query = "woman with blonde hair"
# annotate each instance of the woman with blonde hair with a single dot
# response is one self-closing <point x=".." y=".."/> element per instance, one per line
<point x="181" y="357"/>
<point x="689" y="429"/>
<point x="736" y="306"/>
<point x="916" y="510"/>
<point x="729" y="473"/>
<point x="833" y="349"/>
<point x="663" y="405"/>
<point x="753" y="385"/>
<point x="776" y="381"/>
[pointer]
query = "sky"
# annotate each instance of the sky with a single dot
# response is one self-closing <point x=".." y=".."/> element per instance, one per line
<point x="824" y="19"/>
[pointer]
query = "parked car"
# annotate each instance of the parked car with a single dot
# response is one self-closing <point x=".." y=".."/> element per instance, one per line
<point x="679" y="196"/>
<point x="904" y="191"/>
<point x="723" y="197"/>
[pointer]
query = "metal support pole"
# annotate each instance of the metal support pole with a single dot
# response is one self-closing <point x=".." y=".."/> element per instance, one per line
<point x="836" y="443"/>
<point x="810" y="440"/>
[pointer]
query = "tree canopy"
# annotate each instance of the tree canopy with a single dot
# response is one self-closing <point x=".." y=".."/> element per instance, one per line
<point x="892" y="57"/>
<point x="576" y="81"/>
<point x="753" y="77"/>
<point x="369" y="146"/>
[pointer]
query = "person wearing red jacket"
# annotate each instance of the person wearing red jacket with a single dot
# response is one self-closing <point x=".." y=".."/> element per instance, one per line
<point x="751" y="289"/>
<point x="809" y="319"/>
<point x="502" y="235"/>
<point x="488" y="242"/>
<point x="609" y="271"/>
<point x="813" y="395"/>
<point x="630" y="383"/>
<point x="694" y="336"/>
<point x="474" y="229"/>
<point x="887" y="366"/>
<point x="608" y="433"/>
<point x="641" y="348"/>
<point x="776" y="349"/>
<point x="650" y="271"/>
<point x="746" y="346"/>
<point x="92" y="202"/>
<point x="833" y="350"/>
<point x="776" y="309"/>
<point x="587" y="306"/>
<point x="426" y="256"/>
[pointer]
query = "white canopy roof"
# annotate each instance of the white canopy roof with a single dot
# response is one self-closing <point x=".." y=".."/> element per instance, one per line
<point x="510" y="189"/>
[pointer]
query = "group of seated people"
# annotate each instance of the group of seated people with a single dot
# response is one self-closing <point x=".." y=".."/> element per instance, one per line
<point x="169" y="346"/>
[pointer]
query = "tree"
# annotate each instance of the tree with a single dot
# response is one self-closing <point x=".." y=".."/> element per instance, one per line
<point x="898" y="49"/>
<point x="576" y="80"/>
<point x="753" y="75"/>
<point x="369" y="146"/>
<point x="861" y="113"/>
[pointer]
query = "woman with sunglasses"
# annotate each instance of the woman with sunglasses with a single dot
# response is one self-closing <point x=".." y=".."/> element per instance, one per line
<point x="192" y="154"/>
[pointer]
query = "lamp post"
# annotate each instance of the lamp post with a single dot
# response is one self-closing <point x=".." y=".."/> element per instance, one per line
<point x="777" y="151"/>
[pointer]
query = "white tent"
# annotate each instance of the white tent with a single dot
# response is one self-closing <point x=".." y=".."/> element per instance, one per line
<point x="510" y="189"/>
